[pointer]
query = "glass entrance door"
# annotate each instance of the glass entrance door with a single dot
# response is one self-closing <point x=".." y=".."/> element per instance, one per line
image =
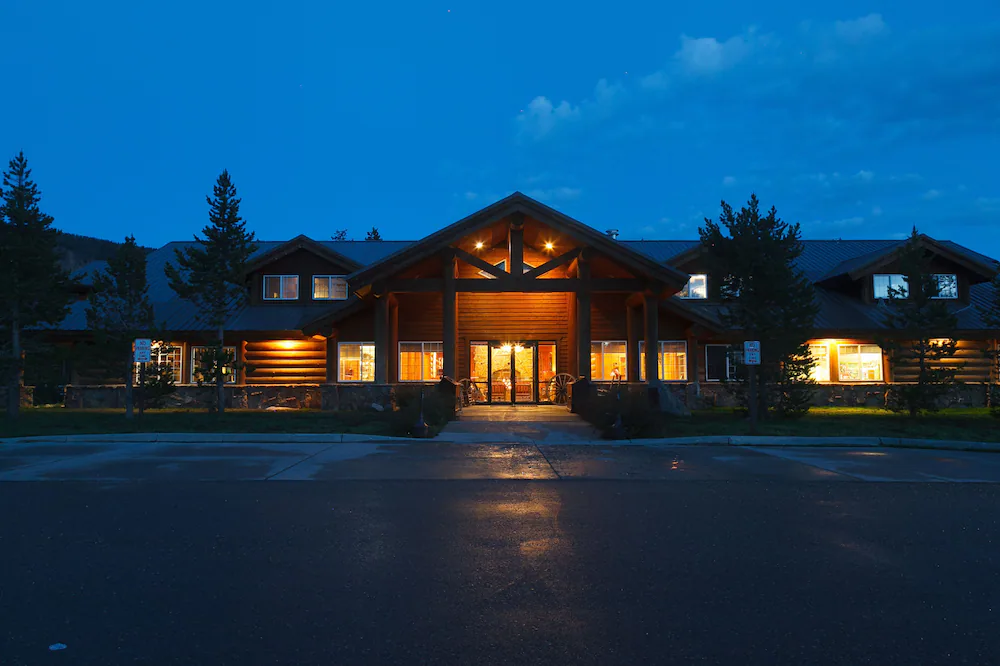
<point x="505" y="372"/>
<point x="501" y="385"/>
<point x="524" y="373"/>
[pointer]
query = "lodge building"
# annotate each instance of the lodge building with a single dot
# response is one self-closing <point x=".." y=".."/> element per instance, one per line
<point x="518" y="300"/>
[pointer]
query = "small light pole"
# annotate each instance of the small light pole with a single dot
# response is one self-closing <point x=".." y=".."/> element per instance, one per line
<point x="420" y="428"/>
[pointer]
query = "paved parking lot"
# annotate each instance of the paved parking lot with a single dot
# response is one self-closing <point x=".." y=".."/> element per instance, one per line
<point x="275" y="461"/>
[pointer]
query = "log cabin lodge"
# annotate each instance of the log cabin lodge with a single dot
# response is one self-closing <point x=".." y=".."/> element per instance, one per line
<point x="519" y="299"/>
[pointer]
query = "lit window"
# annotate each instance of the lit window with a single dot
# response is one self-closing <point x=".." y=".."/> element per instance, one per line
<point x="329" y="287"/>
<point x="696" y="287"/>
<point x="884" y="282"/>
<point x="819" y="369"/>
<point x="502" y="265"/>
<point x="947" y="284"/>
<point x="671" y="362"/>
<point x="198" y="360"/>
<point x="356" y="361"/>
<point x="860" y="363"/>
<point x="164" y="357"/>
<point x="723" y="363"/>
<point x="607" y="361"/>
<point x="281" y="287"/>
<point x="421" y="361"/>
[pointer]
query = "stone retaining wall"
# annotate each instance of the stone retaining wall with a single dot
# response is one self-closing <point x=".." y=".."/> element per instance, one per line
<point x="27" y="397"/>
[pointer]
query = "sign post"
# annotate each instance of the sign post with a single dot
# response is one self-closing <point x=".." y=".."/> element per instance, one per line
<point x="143" y="354"/>
<point x="751" y="358"/>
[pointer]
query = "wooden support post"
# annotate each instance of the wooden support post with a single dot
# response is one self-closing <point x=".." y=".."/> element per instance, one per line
<point x="382" y="350"/>
<point x="652" y="316"/>
<point x="633" y="328"/>
<point x="331" y="358"/>
<point x="515" y="246"/>
<point x="449" y="317"/>
<point x="393" y="365"/>
<point x="241" y="359"/>
<point x="583" y="320"/>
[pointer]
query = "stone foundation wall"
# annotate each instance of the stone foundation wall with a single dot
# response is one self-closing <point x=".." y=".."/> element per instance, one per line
<point x="27" y="396"/>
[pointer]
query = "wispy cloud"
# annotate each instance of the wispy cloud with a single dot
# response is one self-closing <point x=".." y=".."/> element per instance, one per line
<point x="930" y="195"/>
<point x="860" y="28"/>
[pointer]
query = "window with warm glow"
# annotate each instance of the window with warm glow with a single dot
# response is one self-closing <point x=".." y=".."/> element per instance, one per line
<point x="281" y="287"/>
<point x="356" y="361"/>
<point x="883" y="282"/>
<point x="696" y="288"/>
<point x="421" y="361"/>
<point x="164" y="356"/>
<point x="819" y="368"/>
<point x="608" y="361"/>
<point x="947" y="284"/>
<point x="329" y="287"/>
<point x="671" y="361"/>
<point x="196" y="363"/>
<point x="860" y="363"/>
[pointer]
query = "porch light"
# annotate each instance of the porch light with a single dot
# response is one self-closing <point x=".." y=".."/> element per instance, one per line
<point x="287" y="344"/>
<point x="505" y="348"/>
<point x="518" y="348"/>
<point x="549" y="245"/>
<point x="479" y="245"/>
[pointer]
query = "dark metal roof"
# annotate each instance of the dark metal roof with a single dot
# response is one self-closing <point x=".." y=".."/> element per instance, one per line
<point x="820" y="260"/>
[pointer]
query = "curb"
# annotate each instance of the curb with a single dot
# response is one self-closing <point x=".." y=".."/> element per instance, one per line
<point x="208" y="438"/>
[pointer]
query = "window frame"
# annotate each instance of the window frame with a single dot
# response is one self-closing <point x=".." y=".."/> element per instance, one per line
<point x="281" y="287"/>
<point x="193" y="357"/>
<point x="329" y="286"/>
<point x="731" y="364"/>
<point x="340" y="360"/>
<point x="423" y="351"/>
<point x="659" y="361"/>
<point x="905" y="285"/>
<point x="156" y="358"/>
<point x="685" y="293"/>
<point x="525" y="267"/>
<point x="603" y="343"/>
<point x="939" y="297"/>
<point x="862" y="380"/>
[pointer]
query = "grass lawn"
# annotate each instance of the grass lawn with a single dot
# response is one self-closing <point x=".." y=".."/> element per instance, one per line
<point x="970" y="424"/>
<point x="59" y="421"/>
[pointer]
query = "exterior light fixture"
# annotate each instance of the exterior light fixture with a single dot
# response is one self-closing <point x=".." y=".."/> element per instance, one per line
<point x="518" y="348"/>
<point x="549" y="245"/>
<point x="287" y="344"/>
<point x="505" y="349"/>
<point x="479" y="245"/>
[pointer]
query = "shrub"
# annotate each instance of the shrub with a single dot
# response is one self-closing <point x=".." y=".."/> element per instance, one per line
<point x="638" y="417"/>
<point x="439" y="408"/>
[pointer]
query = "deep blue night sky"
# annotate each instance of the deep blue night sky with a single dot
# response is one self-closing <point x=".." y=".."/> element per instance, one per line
<point x="857" y="119"/>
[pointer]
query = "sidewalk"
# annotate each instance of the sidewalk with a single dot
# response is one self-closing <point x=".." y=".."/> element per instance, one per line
<point x="513" y="433"/>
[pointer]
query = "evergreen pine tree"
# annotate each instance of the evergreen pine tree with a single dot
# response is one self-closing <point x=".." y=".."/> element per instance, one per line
<point x="751" y="260"/>
<point x="119" y="311"/>
<point x="990" y="313"/>
<point x="373" y="235"/>
<point x="339" y="235"/>
<point x="212" y="275"/>
<point x="35" y="289"/>
<point x="924" y="326"/>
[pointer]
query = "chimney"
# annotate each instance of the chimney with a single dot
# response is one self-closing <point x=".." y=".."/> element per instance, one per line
<point x="612" y="234"/>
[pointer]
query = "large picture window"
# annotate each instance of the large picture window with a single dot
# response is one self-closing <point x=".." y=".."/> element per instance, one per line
<point x="421" y="361"/>
<point x="819" y="369"/>
<point x="164" y="355"/>
<point x="884" y="281"/>
<point x="671" y="360"/>
<point x="696" y="287"/>
<point x="329" y="287"/>
<point x="227" y="369"/>
<point x="356" y="361"/>
<point x="281" y="287"/>
<point x="723" y="363"/>
<point x="860" y="363"/>
<point x="608" y="361"/>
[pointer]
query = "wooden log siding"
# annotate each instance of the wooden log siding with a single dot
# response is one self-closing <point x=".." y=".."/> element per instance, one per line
<point x="513" y="317"/>
<point x="286" y="361"/>
<point x="971" y="355"/>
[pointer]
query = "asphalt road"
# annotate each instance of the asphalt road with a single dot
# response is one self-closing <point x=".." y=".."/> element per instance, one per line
<point x="774" y="569"/>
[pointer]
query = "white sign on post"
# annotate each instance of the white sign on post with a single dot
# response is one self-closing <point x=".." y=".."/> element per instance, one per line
<point x="751" y="352"/>
<point x="143" y="350"/>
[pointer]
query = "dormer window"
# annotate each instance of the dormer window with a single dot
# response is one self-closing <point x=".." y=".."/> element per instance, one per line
<point x="883" y="282"/>
<point x="281" y="287"/>
<point x="947" y="284"/>
<point x="696" y="288"/>
<point x="329" y="287"/>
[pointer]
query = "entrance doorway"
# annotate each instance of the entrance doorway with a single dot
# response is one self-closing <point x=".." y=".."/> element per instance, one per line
<point x="512" y="372"/>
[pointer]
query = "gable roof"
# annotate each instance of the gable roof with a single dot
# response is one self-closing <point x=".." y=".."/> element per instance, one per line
<point x="859" y="266"/>
<point x="300" y="242"/>
<point x="519" y="203"/>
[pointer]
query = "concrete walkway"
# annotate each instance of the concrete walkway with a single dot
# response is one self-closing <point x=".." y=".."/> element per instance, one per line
<point x="519" y="423"/>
